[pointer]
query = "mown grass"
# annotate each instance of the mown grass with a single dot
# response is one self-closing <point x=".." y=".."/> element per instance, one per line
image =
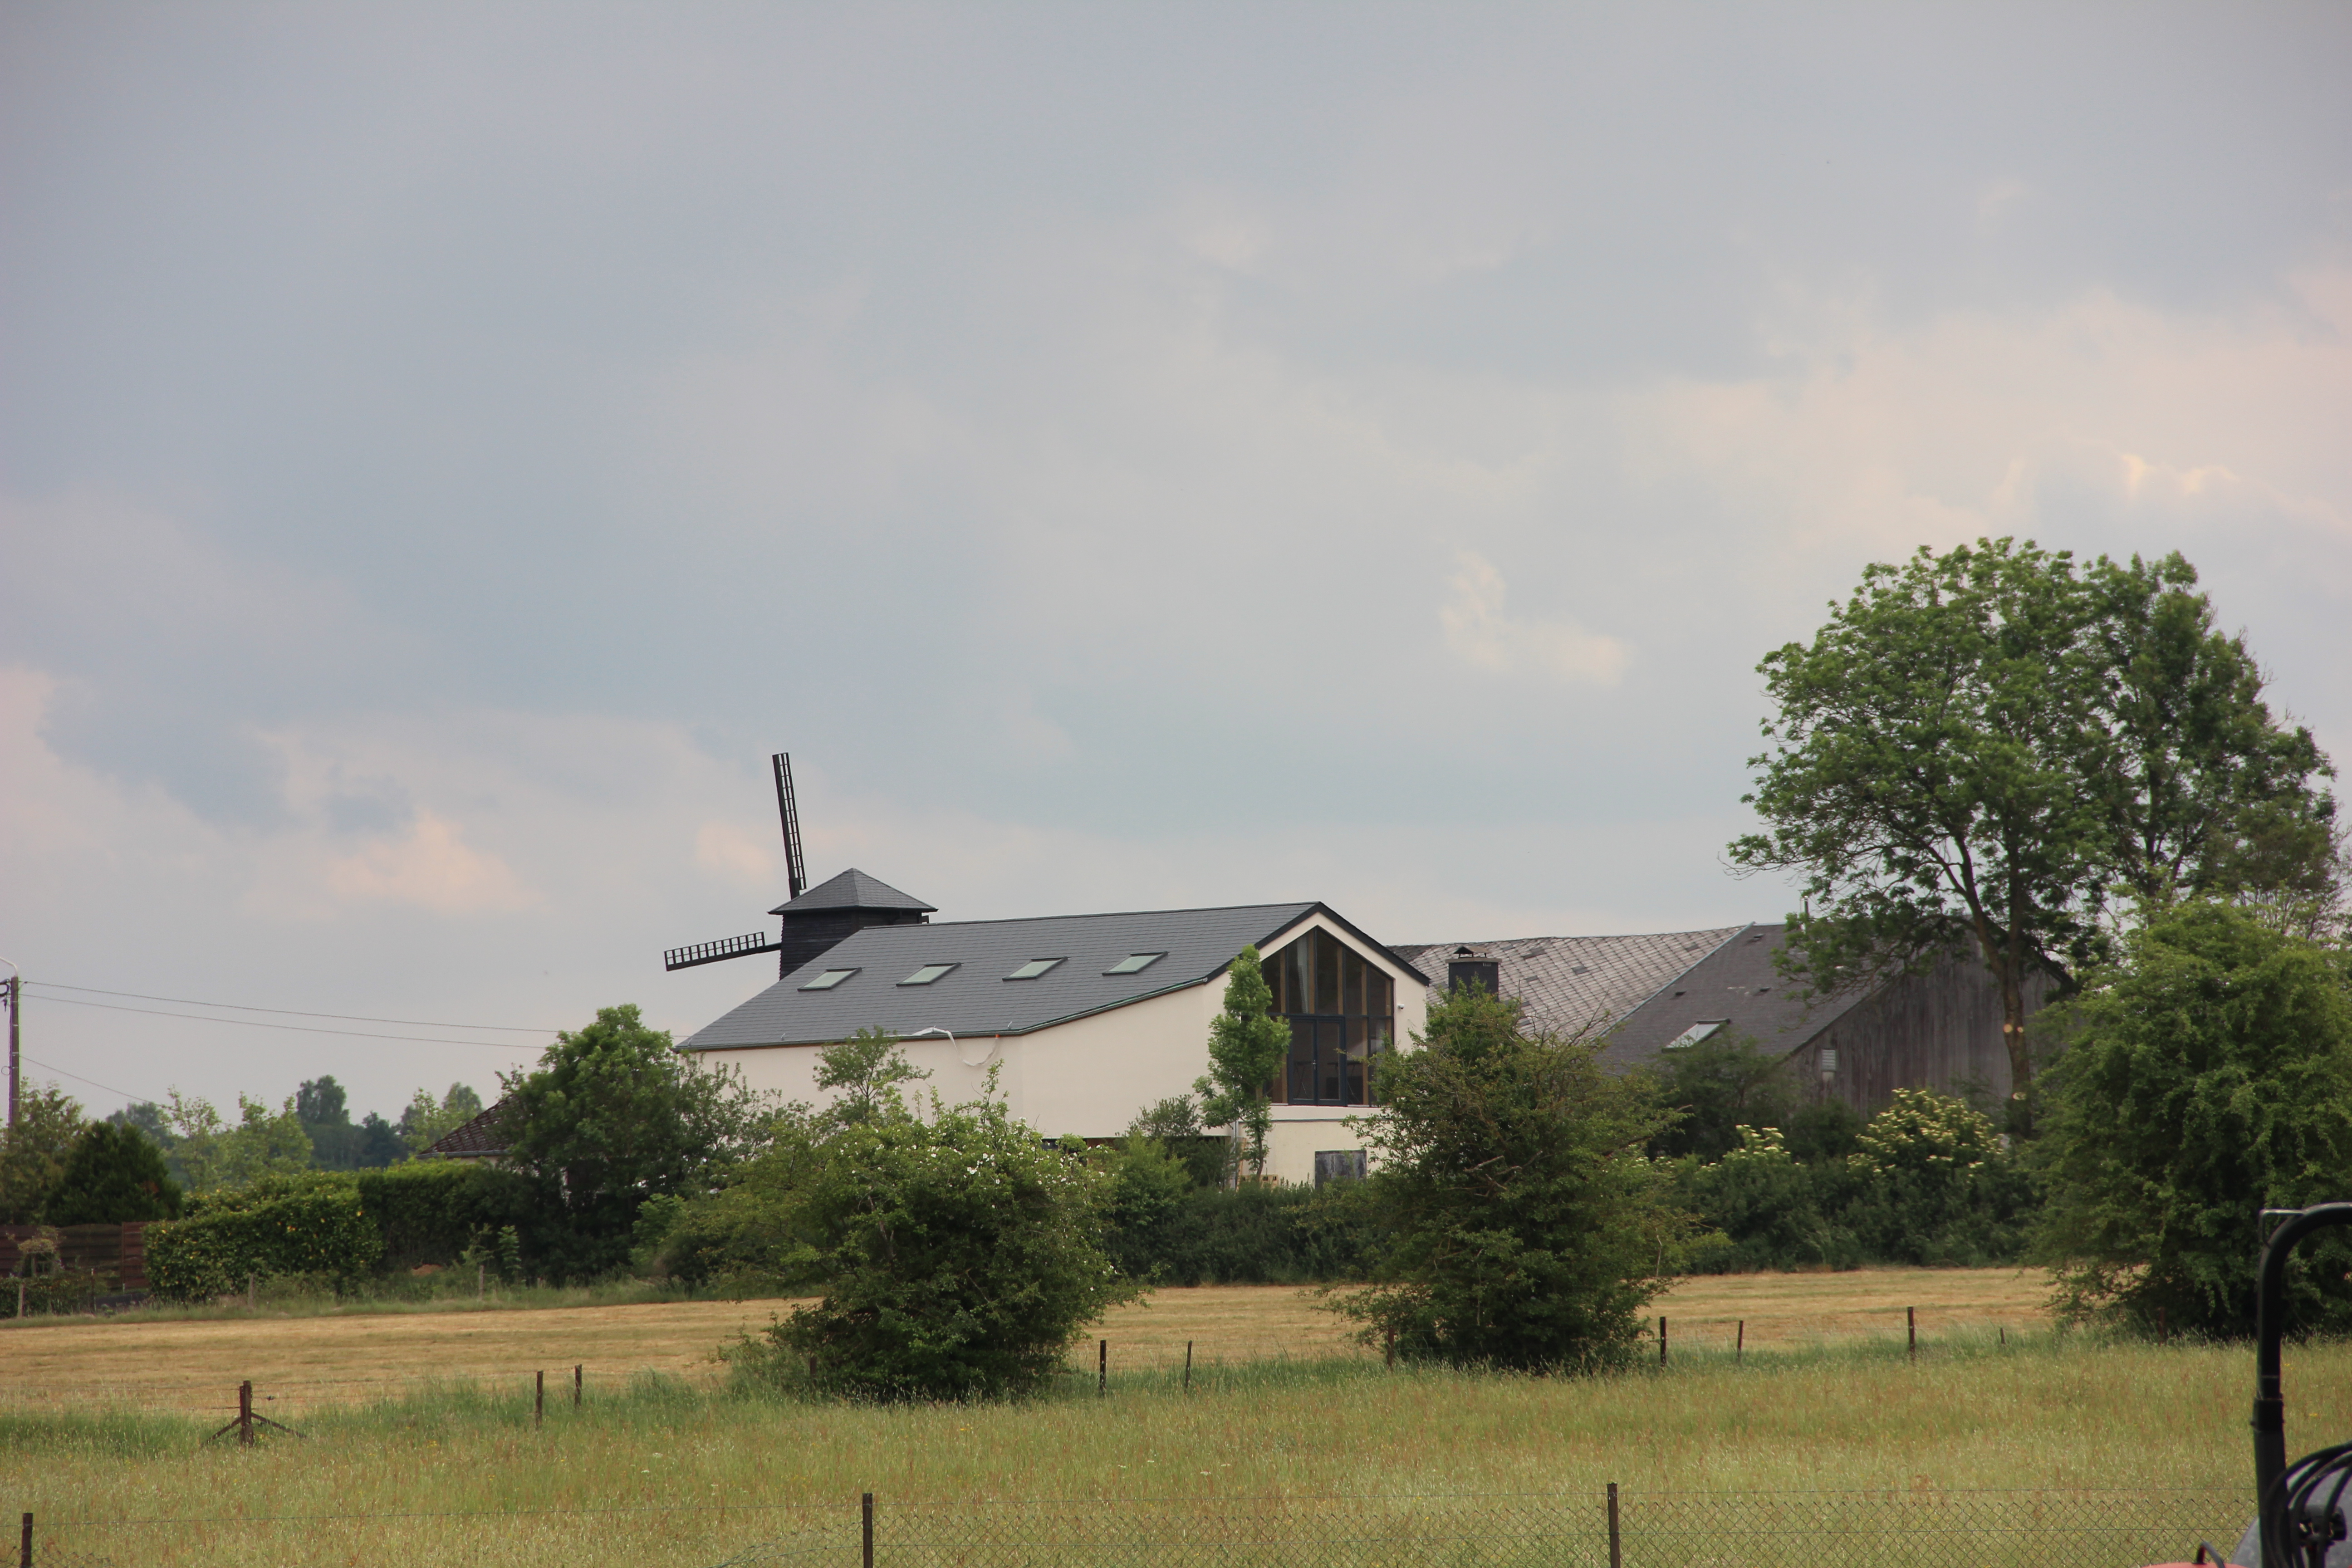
<point x="2042" y="1410"/>
<point x="301" y="1297"/>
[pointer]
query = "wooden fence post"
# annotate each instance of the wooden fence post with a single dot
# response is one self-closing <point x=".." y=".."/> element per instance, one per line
<point x="1616" y="1557"/>
<point x="245" y="1414"/>
<point x="1188" y="1366"/>
<point x="1662" y="1341"/>
<point x="24" y="1548"/>
<point x="575" y="1385"/>
<point x="539" y="1398"/>
<point x="1739" y="1346"/>
<point x="1911" y="1329"/>
<point x="868" y="1507"/>
<point x="1102" y="1368"/>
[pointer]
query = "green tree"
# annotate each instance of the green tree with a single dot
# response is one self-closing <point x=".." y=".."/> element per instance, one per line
<point x="33" y="1152"/>
<point x="426" y="1121"/>
<point x="1247" y="1046"/>
<point x="867" y="1068"/>
<point x="1530" y="1227"/>
<point x="1980" y="744"/>
<point x="215" y="1155"/>
<point x="114" y="1175"/>
<point x="2207" y="1077"/>
<point x="963" y="1257"/>
<point x="323" y="1108"/>
<point x="1932" y="1185"/>
<point x="614" y="1114"/>
<point x="1720" y="1086"/>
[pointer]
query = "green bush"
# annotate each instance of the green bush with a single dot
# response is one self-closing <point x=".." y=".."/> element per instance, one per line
<point x="1168" y="1229"/>
<point x="961" y="1258"/>
<point x="430" y="1210"/>
<point x="280" y="1225"/>
<point x="113" y="1175"/>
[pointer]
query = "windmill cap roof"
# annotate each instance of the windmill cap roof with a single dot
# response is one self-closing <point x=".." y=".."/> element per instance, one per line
<point x="853" y="889"/>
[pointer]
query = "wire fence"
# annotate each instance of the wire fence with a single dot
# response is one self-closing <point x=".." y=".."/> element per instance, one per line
<point x="1612" y="1529"/>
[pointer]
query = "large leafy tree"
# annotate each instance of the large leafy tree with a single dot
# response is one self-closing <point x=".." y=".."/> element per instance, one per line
<point x="33" y="1152"/>
<point x="1247" y="1045"/>
<point x="1980" y="745"/>
<point x="1530" y="1228"/>
<point x="2208" y="1077"/>
<point x="114" y="1174"/>
<point x="614" y="1114"/>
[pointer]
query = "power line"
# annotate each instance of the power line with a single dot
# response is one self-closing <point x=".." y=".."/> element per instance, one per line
<point x="92" y="1082"/>
<point x="297" y="1028"/>
<point x="289" y="1012"/>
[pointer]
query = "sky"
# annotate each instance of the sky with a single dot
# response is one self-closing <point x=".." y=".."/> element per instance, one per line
<point x="1131" y="456"/>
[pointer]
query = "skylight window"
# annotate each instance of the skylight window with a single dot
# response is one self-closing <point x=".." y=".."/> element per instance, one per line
<point x="1705" y="1029"/>
<point x="925" y="975"/>
<point x="1135" y="964"/>
<point x="1033" y="969"/>
<point x="829" y="980"/>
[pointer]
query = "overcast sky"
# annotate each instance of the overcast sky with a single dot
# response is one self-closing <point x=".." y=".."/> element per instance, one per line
<point x="1132" y="456"/>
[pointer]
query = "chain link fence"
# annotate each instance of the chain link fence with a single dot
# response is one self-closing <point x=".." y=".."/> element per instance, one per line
<point x="2045" y="1529"/>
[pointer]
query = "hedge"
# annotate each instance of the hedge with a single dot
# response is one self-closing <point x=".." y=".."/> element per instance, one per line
<point x="312" y="1225"/>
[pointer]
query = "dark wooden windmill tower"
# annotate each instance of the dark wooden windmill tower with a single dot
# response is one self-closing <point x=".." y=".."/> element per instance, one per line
<point x="814" y="919"/>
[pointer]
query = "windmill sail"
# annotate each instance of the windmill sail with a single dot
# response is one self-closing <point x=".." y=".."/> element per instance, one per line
<point x="796" y="869"/>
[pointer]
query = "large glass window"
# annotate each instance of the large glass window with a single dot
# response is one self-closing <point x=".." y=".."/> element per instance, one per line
<point x="1341" y="1010"/>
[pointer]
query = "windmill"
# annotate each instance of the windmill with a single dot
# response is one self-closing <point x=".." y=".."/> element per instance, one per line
<point x="813" y="919"/>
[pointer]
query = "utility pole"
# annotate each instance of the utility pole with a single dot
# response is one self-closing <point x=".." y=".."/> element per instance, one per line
<point x="16" y="1006"/>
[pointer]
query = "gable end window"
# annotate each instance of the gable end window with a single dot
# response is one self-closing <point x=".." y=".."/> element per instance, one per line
<point x="928" y="973"/>
<point x="1341" y="1010"/>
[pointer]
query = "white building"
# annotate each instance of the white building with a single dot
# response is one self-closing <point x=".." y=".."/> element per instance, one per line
<point x="1088" y="1018"/>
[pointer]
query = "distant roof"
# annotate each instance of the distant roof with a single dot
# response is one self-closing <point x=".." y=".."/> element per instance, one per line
<point x="1574" y="983"/>
<point x="1737" y="983"/>
<point x="975" y="998"/>
<point x="854" y="889"/>
<point x="478" y="1138"/>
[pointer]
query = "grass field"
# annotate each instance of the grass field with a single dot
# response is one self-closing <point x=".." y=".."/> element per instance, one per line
<point x="1825" y="1400"/>
<point x="299" y="1361"/>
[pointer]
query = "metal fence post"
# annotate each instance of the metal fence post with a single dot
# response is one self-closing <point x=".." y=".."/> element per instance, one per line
<point x="1616" y="1553"/>
<point x="868" y="1506"/>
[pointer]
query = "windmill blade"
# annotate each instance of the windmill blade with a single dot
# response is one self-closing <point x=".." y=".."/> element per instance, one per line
<point x="715" y="951"/>
<point x="795" y="870"/>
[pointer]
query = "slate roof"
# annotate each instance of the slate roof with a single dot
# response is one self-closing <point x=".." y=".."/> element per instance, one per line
<point x="854" y="889"/>
<point x="1573" y="983"/>
<point x="478" y="1138"/>
<point x="1736" y="982"/>
<point x="975" y="997"/>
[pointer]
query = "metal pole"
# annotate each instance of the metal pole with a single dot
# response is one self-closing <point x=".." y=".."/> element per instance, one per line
<point x="1102" y="1368"/>
<point x="869" y="1530"/>
<point x="1616" y="1554"/>
<point x="539" y="1402"/>
<point x="16" y="1006"/>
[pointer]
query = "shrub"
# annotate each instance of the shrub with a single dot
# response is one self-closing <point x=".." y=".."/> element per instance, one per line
<point x="1766" y="1208"/>
<point x="276" y="1226"/>
<point x="2209" y="1078"/>
<point x="427" y="1211"/>
<point x="1529" y="1227"/>
<point x="963" y="1257"/>
<point x="1171" y="1230"/>
<point x="1934" y="1186"/>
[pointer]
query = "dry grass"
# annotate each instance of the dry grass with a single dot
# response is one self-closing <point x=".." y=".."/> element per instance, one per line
<point x="300" y="1363"/>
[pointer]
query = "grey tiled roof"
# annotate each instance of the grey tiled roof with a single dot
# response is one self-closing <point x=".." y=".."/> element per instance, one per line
<point x="854" y="889"/>
<point x="478" y="1138"/>
<point x="1736" y="982"/>
<point x="975" y="998"/>
<point x="1574" y="983"/>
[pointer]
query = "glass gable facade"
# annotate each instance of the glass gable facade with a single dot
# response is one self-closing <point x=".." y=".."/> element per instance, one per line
<point x="1342" y="1014"/>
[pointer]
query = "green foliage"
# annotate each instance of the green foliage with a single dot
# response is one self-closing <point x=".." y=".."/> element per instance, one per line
<point x="867" y="1068"/>
<point x="213" y="1156"/>
<point x="113" y="1175"/>
<point x="1253" y="1235"/>
<point x="426" y="1122"/>
<point x="1174" y="1124"/>
<point x="1925" y="1181"/>
<point x="33" y="1153"/>
<point x="1247" y="1046"/>
<point x="427" y="1211"/>
<point x="1529" y="1227"/>
<point x="1980" y="744"/>
<point x="1720" y="1086"/>
<point x="612" y="1115"/>
<point x="961" y="1258"/>
<point x="306" y="1224"/>
<point x="750" y="1236"/>
<point x="2209" y="1076"/>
